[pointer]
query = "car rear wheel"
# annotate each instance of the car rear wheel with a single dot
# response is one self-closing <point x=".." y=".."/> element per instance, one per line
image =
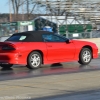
<point x="34" y="60"/>
<point x="85" y="56"/>
<point x="6" y="65"/>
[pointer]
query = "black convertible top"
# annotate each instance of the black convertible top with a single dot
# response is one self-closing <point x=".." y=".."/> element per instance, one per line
<point x="32" y="36"/>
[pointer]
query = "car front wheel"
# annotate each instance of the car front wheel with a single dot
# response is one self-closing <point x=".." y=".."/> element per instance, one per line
<point x="34" y="60"/>
<point x="85" y="56"/>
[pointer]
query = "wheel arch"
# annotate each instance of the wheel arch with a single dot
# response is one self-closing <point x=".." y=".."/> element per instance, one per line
<point x="39" y="52"/>
<point x="89" y="47"/>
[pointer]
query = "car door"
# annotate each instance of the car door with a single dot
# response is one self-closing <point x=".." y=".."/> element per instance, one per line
<point x="58" y="48"/>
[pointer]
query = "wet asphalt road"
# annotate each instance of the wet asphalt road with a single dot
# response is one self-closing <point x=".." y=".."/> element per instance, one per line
<point x="66" y="81"/>
<point x="21" y="72"/>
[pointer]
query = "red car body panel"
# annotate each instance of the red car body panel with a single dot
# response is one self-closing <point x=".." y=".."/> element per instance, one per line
<point x="60" y="51"/>
<point x="80" y="44"/>
<point x="52" y="52"/>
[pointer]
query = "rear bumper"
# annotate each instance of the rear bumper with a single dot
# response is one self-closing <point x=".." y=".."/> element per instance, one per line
<point x="11" y="58"/>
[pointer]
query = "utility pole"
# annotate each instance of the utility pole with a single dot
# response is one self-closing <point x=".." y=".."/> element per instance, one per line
<point x="27" y="2"/>
<point x="10" y="15"/>
<point x="22" y="11"/>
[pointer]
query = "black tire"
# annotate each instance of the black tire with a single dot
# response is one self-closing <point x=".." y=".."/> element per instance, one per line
<point x="83" y="59"/>
<point x="6" y="65"/>
<point x="31" y="58"/>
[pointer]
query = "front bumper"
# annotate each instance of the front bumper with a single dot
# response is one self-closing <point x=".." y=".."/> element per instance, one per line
<point x="95" y="53"/>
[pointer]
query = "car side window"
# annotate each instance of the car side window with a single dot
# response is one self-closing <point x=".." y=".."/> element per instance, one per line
<point x="17" y="38"/>
<point x="53" y="38"/>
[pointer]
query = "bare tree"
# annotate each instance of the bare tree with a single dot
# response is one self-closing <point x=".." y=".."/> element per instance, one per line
<point x="16" y="4"/>
<point x="58" y="8"/>
<point x="31" y="5"/>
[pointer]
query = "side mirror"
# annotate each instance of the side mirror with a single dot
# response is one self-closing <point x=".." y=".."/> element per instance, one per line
<point x="68" y="41"/>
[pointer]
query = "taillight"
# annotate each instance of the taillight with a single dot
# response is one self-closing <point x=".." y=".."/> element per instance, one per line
<point x="8" y="47"/>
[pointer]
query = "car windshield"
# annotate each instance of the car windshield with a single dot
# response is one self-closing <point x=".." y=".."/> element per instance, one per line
<point x="17" y="38"/>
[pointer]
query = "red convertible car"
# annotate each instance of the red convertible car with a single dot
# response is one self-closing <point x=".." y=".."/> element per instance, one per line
<point x="41" y="47"/>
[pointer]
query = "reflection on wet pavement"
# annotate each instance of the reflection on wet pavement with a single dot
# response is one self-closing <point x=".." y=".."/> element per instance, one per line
<point x="22" y="72"/>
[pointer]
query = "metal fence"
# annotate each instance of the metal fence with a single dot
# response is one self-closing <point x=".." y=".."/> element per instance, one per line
<point x="83" y="35"/>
